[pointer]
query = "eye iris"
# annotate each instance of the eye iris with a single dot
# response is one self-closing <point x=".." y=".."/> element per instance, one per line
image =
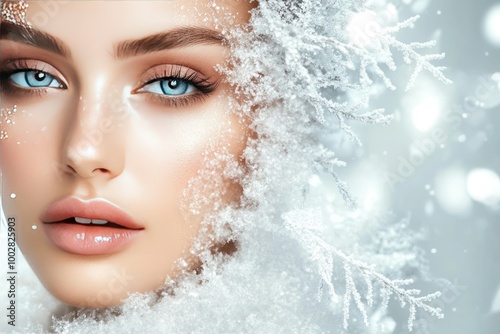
<point x="174" y="87"/>
<point x="37" y="78"/>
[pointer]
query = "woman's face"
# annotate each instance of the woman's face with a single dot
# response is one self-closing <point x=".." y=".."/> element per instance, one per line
<point x="108" y="110"/>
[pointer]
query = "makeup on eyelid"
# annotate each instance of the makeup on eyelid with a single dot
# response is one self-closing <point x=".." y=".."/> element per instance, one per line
<point x="202" y="85"/>
<point x="167" y="43"/>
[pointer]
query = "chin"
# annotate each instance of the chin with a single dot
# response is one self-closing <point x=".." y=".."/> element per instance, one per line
<point x="89" y="299"/>
<point x="94" y="282"/>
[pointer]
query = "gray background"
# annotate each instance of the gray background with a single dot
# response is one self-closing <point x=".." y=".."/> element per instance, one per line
<point x="440" y="193"/>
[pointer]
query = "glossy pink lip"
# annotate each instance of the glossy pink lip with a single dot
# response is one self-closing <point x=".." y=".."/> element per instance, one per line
<point x="70" y="207"/>
<point x="91" y="239"/>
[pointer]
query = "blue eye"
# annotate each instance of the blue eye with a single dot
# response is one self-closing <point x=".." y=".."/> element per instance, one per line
<point x="170" y="87"/>
<point x="34" y="79"/>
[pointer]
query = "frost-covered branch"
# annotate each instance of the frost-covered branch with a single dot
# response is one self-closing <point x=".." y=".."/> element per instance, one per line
<point x="377" y="51"/>
<point x="304" y="226"/>
<point x="306" y="76"/>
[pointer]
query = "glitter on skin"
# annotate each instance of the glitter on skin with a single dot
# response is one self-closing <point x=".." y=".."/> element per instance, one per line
<point x="15" y="12"/>
<point x="7" y="115"/>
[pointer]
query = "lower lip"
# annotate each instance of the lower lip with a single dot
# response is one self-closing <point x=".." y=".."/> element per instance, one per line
<point x="89" y="239"/>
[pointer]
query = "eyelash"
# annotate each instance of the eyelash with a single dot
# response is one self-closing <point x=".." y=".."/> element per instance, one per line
<point x="203" y="86"/>
<point x="22" y="65"/>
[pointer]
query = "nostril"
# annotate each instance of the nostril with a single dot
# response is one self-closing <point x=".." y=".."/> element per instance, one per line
<point x="101" y="170"/>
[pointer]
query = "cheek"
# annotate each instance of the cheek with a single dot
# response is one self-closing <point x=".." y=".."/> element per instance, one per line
<point x="28" y="155"/>
<point x="178" y="156"/>
<point x="173" y="148"/>
<point x="28" y="178"/>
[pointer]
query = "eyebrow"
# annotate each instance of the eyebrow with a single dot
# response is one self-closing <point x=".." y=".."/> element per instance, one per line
<point x="176" y="38"/>
<point x="33" y="37"/>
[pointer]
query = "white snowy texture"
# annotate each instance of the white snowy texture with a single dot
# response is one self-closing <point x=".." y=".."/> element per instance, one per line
<point x="302" y="80"/>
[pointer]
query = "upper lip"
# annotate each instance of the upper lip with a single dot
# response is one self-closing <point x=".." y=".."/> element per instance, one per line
<point x="97" y="208"/>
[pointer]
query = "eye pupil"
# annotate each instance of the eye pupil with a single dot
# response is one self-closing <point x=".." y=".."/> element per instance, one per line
<point x="173" y="84"/>
<point x="40" y="76"/>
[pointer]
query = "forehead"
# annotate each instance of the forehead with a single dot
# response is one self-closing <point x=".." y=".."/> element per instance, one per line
<point x="117" y="20"/>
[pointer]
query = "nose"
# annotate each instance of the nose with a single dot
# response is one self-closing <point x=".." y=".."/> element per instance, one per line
<point x="94" y="144"/>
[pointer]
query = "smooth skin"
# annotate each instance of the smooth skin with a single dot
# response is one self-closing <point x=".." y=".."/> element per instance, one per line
<point x="130" y="127"/>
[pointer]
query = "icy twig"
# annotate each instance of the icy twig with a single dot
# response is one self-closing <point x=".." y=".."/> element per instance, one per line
<point x="303" y="226"/>
<point x="383" y="41"/>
